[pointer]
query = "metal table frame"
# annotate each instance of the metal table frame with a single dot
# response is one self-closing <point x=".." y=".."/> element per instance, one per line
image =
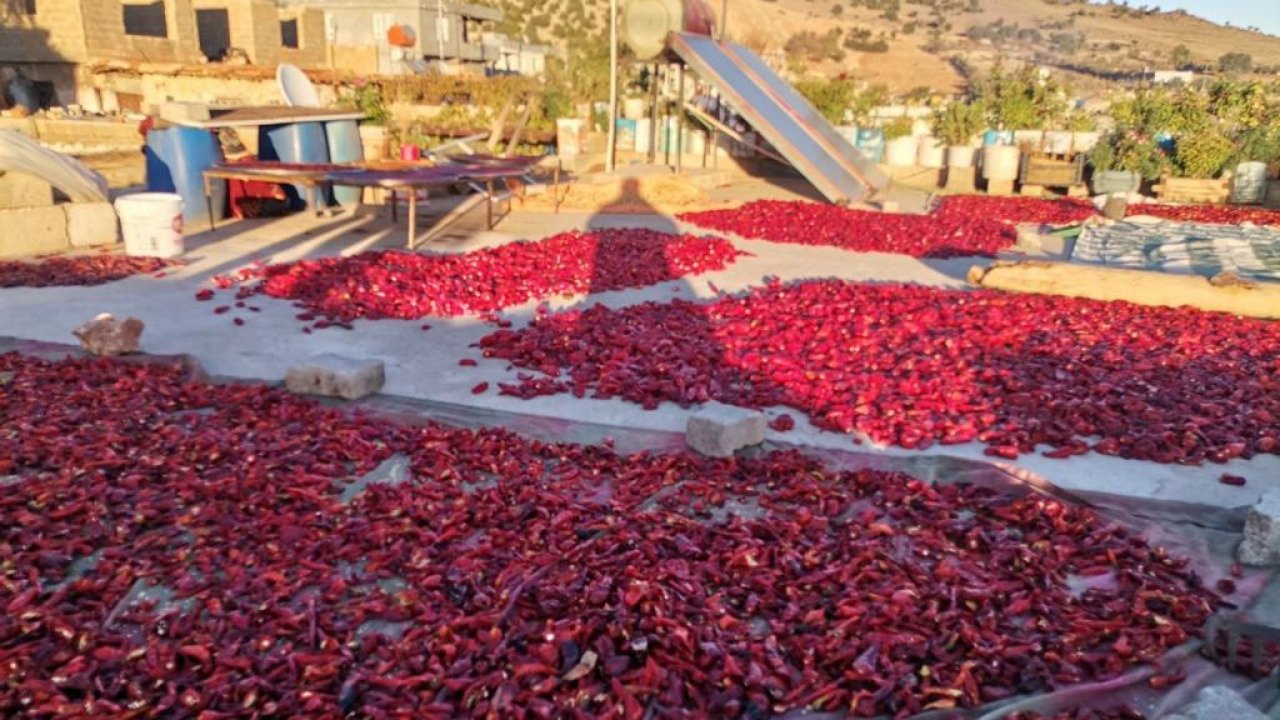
<point x="483" y="179"/>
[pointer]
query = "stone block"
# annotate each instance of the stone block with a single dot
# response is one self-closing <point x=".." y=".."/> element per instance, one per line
<point x="337" y="376"/>
<point x="1261" y="545"/>
<point x="179" y="111"/>
<point x="960" y="179"/>
<point x="107" y="336"/>
<point x="1218" y="703"/>
<point x="999" y="187"/>
<point x="720" y="430"/>
<point x="33" y="231"/>
<point x="91" y="223"/>
<point x="20" y="190"/>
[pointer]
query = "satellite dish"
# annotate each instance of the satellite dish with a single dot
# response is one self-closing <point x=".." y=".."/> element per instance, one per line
<point x="402" y="36"/>
<point x="296" y="87"/>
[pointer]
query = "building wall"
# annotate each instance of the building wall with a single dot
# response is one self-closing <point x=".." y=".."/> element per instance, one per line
<point x="54" y="34"/>
<point x="312" y="47"/>
<point x="108" y="39"/>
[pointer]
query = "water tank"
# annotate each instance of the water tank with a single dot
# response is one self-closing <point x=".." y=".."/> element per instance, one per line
<point x="646" y="23"/>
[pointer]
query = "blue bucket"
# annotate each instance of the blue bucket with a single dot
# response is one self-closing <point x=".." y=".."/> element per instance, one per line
<point x="303" y="142"/>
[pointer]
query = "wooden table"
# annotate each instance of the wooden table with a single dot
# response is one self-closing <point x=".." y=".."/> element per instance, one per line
<point x="396" y="181"/>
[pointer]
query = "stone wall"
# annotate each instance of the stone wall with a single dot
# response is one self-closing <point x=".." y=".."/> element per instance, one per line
<point x="311" y="51"/>
<point x="54" y="34"/>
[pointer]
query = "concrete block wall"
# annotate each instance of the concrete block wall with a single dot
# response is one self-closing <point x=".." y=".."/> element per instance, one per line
<point x="311" y="52"/>
<point x="56" y="33"/>
<point x="108" y="39"/>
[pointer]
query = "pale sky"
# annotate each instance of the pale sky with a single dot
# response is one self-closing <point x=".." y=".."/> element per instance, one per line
<point x="1264" y="14"/>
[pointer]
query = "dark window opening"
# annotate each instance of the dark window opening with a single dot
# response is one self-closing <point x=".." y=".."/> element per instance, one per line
<point x="289" y="33"/>
<point x="146" y="20"/>
<point x="26" y="7"/>
<point x="213" y="26"/>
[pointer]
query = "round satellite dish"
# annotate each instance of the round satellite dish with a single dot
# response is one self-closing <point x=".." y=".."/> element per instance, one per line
<point x="296" y="87"/>
<point x="647" y="23"/>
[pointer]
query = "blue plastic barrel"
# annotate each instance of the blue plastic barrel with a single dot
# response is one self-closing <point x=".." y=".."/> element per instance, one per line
<point x="176" y="158"/>
<point x="870" y="142"/>
<point x="303" y="142"/>
<point x="344" y="147"/>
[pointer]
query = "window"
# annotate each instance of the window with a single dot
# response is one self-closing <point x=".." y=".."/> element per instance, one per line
<point x="289" y="33"/>
<point x="147" y="20"/>
<point x="25" y="7"/>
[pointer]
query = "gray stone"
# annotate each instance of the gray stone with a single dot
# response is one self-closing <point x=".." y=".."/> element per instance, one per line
<point x="108" y="337"/>
<point x="1217" y="702"/>
<point x="337" y="376"/>
<point x="1261" y="545"/>
<point x="720" y="430"/>
<point x="91" y="224"/>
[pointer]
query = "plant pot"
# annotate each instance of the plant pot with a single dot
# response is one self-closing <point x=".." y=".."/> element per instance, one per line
<point x="870" y="142"/>
<point x="1106" y="182"/>
<point x="960" y="156"/>
<point x="901" y="151"/>
<point x="931" y="153"/>
<point x="374" y="142"/>
<point x="1250" y="186"/>
<point x="1000" y="162"/>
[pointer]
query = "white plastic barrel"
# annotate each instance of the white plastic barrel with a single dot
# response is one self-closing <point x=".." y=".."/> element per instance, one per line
<point x="900" y="152"/>
<point x="1083" y="142"/>
<point x="932" y="154"/>
<point x="1000" y="162"/>
<point x="1249" y="185"/>
<point x="1033" y="139"/>
<point x="571" y="136"/>
<point x="151" y="224"/>
<point x="644" y="126"/>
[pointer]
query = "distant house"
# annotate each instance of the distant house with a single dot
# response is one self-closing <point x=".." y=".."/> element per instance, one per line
<point x="1168" y="77"/>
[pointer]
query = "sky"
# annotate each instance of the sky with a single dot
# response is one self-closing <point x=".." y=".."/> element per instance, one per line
<point x="1264" y="14"/>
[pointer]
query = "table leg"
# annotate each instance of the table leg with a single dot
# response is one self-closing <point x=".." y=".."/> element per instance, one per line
<point x="413" y="215"/>
<point x="394" y="213"/>
<point x="208" y="203"/>
<point x="488" y="203"/>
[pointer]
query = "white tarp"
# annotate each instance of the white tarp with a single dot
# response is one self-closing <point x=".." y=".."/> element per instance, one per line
<point x="1185" y="248"/>
<point x="19" y="153"/>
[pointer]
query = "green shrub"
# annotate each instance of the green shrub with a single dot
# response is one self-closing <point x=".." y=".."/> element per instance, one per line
<point x="1203" y="155"/>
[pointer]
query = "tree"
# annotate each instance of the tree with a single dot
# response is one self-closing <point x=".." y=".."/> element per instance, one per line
<point x="837" y="10"/>
<point x="1235" y="63"/>
<point x="1181" y="57"/>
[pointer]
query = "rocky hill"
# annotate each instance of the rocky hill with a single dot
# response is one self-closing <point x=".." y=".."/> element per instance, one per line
<point x="933" y="43"/>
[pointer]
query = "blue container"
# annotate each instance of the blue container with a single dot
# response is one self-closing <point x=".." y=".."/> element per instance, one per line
<point x="1166" y="142"/>
<point x="997" y="137"/>
<point x="303" y="142"/>
<point x="870" y="142"/>
<point x="344" y="147"/>
<point x="176" y="158"/>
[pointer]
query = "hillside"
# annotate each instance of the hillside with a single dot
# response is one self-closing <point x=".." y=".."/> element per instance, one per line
<point x="911" y="43"/>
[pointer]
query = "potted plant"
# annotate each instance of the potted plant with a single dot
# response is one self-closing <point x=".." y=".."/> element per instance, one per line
<point x="956" y="124"/>
<point x="366" y="97"/>
<point x="900" y="143"/>
<point x="1123" y="159"/>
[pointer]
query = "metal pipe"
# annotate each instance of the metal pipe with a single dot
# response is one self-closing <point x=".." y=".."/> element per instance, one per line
<point x="653" y="115"/>
<point x="611" y="152"/>
<point x="680" y="118"/>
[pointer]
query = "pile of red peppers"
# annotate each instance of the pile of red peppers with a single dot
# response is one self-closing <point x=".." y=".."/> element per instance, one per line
<point x="406" y="285"/>
<point x="505" y="577"/>
<point x="912" y="366"/>
<point x="76" y="270"/>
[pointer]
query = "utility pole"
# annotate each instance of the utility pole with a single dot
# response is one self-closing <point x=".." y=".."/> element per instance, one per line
<point x="611" y="152"/>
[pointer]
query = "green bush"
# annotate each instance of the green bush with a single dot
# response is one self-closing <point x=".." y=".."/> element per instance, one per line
<point x="956" y="123"/>
<point x="898" y="128"/>
<point x="1203" y="155"/>
<point x="1131" y="152"/>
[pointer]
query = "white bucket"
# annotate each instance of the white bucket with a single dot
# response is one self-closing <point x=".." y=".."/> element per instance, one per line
<point x="960" y="156"/>
<point x="151" y="224"/>
<point x="1057" y="142"/>
<point x="571" y="136"/>
<point x="1250" y="183"/>
<point x="644" y="141"/>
